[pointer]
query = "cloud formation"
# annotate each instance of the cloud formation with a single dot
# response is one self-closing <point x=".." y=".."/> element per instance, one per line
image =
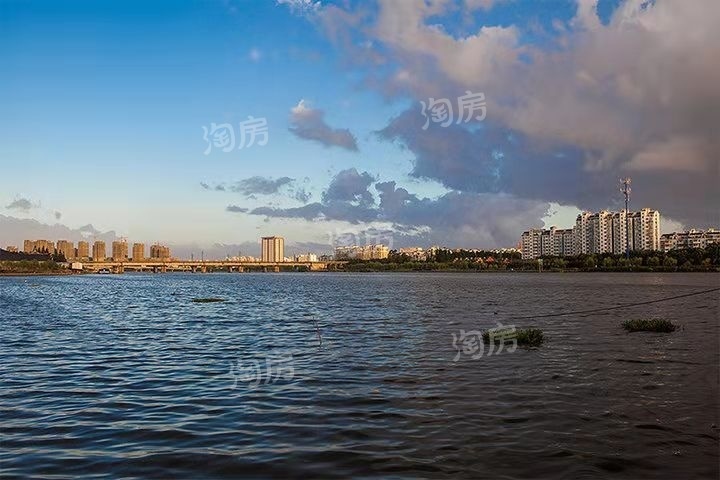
<point x="635" y="95"/>
<point x="252" y="187"/>
<point x="236" y="209"/>
<point x="13" y="231"/>
<point x="21" y="204"/>
<point x="456" y="218"/>
<point x="309" y="124"/>
<point x="301" y="6"/>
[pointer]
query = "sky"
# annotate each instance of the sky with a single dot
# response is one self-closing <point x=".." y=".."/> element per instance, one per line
<point x="123" y="119"/>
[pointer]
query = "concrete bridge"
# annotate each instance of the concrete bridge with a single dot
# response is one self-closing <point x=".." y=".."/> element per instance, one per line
<point x="159" y="266"/>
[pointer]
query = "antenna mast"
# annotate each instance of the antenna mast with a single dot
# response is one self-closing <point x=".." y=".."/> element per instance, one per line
<point x="625" y="189"/>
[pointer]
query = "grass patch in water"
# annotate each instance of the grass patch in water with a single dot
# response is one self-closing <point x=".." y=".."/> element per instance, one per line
<point x="526" y="337"/>
<point x="649" y="325"/>
<point x="207" y="300"/>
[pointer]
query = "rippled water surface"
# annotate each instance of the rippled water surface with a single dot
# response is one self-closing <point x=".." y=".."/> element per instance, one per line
<point x="124" y="376"/>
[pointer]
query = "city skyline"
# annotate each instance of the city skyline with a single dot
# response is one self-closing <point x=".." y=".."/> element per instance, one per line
<point x="349" y="145"/>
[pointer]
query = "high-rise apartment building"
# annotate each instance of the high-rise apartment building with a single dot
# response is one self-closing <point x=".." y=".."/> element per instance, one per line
<point x="98" y="251"/>
<point x="38" y="246"/>
<point x="614" y="232"/>
<point x="119" y="251"/>
<point x="83" y="250"/>
<point x="159" y="252"/>
<point x="66" y="248"/>
<point x="594" y="233"/>
<point x="645" y="230"/>
<point x="273" y="249"/>
<point x="138" y="252"/>
<point x="537" y="242"/>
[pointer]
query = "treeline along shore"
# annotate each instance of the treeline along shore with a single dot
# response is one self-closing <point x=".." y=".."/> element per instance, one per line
<point x="687" y="260"/>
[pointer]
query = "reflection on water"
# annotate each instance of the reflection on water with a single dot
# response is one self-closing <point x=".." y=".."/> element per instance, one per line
<point x="339" y="375"/>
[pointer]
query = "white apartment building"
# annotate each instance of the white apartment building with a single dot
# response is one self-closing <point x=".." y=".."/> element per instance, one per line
<point x="368" y="252"/>
<point x="599" y="232"/>
<point x="273" y="249"/>
<point x="611" y="232"/>
<point x="645" y="229"/>
<point x="537" y="242"/>
<point x="308" y="257"/>
<point x="689" y="239"/>
<point x="415" y="253"/>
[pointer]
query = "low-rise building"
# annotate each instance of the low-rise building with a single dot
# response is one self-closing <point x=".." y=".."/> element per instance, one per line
<point x="689" y="239"/>
<point x="368" y="252"/>
<point x="415" y="253"/>
<point x="307" y="257"/>
<point x="537" y="242"/>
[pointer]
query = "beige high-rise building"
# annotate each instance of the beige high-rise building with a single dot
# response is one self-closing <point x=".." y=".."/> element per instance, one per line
<point x="66" y="248"/>
<point x="273" y="249"/>
<point x="160" y="252"/>
<point x="98" y="251"/>
<point x="39" y="246"/>
<point x="83" y="250"/>
<point x="119" y="251"/>
<point x="138" y="252"/>
<point x="28" y="246"/>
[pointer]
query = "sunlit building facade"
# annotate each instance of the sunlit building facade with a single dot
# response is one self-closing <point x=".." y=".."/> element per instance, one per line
<point x="273" y="249"/>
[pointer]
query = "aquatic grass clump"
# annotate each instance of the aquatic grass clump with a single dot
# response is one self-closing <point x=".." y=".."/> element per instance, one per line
<point x="526" y="337"/>
<point x="207" y="300"/>
<point x="649" y="325"/>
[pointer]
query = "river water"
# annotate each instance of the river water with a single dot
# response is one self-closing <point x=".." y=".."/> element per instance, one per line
<point x="355" y="375"/>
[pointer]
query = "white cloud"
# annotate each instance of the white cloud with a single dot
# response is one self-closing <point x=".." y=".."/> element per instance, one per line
<point x="301" y="6"/>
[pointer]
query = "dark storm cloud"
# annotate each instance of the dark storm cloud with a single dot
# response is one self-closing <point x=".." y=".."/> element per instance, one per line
<point x="309" y="123"/>
<point x="565" y="117"/>
<point x="456" y="218"/>
<point x="494" y="159"/>
<point x="350" y="186"/>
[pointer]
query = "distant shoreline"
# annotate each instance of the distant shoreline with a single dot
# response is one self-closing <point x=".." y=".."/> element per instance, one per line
<point x="478" y="272"/>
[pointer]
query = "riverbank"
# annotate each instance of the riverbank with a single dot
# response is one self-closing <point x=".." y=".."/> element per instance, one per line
<point x="32" y="268"/>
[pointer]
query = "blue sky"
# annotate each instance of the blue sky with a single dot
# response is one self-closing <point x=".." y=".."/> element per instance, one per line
<point x="104" y="102"/>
